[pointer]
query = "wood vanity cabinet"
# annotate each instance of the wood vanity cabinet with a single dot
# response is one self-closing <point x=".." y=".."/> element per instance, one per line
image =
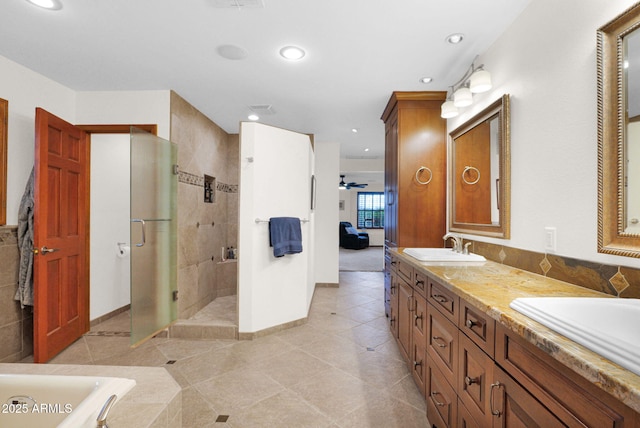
<point x="415" y="137"/>
<point x="476" y="373"/>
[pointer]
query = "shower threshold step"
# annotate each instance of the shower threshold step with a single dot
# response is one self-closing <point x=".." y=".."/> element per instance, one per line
<point x="186" y="329"/>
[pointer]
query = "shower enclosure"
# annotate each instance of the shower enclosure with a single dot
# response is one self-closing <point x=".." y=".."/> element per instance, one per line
<point x="154" y="183"/>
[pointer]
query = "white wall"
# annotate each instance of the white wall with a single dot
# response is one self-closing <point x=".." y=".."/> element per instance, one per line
<point x="110" y="180"/>
<point x="25" y="90"/>
<point x="547" y="63"/>
<point x="326" y="239"/>
<point x="126" y="107"/>
<point x="277" y="182"/>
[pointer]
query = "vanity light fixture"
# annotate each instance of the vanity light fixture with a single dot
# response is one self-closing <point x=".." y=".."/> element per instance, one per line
<point x="47" y="4"/>
<point x="474" y="81"/>
<point x="292" y="53"/>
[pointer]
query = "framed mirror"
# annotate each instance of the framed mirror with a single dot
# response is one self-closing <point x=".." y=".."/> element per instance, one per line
<point x="618" y="64"/>
<point x="480" y="173"/>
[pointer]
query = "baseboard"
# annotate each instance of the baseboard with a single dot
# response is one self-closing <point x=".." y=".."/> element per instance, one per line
<point x="109" y="315"/>
<point x="270" y="330"/>
<point x="327" y="285"/>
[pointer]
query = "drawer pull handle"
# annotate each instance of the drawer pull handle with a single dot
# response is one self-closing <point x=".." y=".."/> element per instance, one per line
<point x="433" y="397"/>
<point x="440" y="342"/>
<point x="440" y="298"/>
<point x="470" y="380"/>
<point x="470" y="323"/>
<point x="420" y="283"/>
<point x="416" y="317"/>
<point x="496" y="413"/>
<point x="416" y="364"/>
<point x="392" y="320"/>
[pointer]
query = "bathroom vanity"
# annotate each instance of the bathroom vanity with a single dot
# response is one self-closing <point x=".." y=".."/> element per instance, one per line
<point x="480" y="363"/>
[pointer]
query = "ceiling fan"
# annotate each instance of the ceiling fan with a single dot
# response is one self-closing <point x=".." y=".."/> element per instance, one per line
<point x="343" y="185"/>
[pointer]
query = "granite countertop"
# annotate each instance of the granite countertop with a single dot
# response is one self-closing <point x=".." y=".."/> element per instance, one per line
<point x="492" y="286"/>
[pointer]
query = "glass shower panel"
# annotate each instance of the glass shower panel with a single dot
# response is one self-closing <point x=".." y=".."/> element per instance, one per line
<point x="153" y="234"/>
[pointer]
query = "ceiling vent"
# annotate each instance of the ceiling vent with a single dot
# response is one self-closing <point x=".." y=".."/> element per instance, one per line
<point x="238" y="4"/>
<point x="262" y="109"/>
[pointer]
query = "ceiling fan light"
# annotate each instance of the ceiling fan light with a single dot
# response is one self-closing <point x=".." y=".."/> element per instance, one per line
<point x="462" y="97"/>
<point x="448" y="110"/>
<point x="480" y="81"/>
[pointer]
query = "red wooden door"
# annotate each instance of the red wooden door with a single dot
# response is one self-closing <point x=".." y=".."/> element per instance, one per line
<point x="60" y="270"/>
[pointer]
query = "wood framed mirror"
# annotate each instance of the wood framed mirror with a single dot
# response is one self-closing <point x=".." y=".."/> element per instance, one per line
<point x="618" y="66"/>
<point x="480" y="193"/>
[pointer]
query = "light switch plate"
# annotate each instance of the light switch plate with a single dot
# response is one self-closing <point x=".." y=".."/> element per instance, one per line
<point x="550" y="239"/>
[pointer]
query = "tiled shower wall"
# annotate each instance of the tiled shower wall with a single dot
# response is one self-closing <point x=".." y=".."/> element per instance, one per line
<point x="16" y="324"/>
<point x="204" y="228"/>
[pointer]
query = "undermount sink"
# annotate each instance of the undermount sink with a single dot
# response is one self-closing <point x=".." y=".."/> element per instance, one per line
<point x="607" y="326"/>
<point x="441" y="255"/>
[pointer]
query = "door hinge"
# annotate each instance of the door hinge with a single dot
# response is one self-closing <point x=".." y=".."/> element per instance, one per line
<point x="175" y="295"/>
<point x="176" y="170"/>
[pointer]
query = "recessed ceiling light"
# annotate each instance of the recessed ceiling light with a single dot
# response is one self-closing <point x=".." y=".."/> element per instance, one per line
<point x="426" y="80"/>
<point x="455" y="38"/>
<point x="47" y="4"/>
<point x="292" y="53"/>
<point x="354" y="130"/>
<point x="366" y="150"/>
<point x="253" y="117"/>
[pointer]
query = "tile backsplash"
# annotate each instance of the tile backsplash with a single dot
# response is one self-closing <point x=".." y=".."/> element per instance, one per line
<point x="610" y="279"/>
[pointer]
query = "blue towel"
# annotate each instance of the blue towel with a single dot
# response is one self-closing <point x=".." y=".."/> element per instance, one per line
<point x="285" y="235"/>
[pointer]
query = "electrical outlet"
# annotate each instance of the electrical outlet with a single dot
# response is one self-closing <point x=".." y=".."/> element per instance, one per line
<point x="550" y="239"/>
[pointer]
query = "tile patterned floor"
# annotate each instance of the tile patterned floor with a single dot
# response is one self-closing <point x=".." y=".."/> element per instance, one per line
<point x="342" y="369"/>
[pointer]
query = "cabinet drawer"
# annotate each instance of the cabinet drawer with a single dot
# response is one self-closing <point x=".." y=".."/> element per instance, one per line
<point x="475" y="376"/>
<point x="405" y="270"/>
<point x="465" y="420"/>
<point x="393" y="261"/>
<point x="420" y="282"/>
<point x="444" y="300"/>
<point x="442" y="344"/>
<point x="569" y="399"/>
<point x="442" y="402"/>
<point x="478" y="326"/>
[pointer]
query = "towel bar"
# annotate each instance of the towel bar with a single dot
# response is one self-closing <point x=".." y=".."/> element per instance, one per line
<point x="302" y="220"/>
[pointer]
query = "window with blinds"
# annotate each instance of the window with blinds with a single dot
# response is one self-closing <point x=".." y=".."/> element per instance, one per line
<point x="370" y="210"/>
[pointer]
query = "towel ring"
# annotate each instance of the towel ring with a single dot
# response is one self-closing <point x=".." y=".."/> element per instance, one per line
<point x="422" y="168"/>
<point x="467" y="169"/>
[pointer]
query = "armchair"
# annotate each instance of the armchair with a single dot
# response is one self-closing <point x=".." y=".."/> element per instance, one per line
<point x="350" y="238"/>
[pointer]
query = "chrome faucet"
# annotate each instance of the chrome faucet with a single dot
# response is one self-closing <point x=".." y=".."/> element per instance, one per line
<point x="457" y="241"/>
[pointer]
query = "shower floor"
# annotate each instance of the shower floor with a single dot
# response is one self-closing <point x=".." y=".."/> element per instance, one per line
<point x="217" y="320"/>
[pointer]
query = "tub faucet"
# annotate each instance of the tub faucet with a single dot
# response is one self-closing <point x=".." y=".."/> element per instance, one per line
<point x="457" y="241"/>
<point x="102" y="417"/>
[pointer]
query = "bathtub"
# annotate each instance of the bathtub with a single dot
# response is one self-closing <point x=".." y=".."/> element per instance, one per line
<point x="42" y="401"/>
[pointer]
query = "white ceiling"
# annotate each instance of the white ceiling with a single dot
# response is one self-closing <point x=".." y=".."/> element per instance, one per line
<point x="358" y="52"/>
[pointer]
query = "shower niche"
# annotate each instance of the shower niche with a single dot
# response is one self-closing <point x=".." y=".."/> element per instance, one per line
<point x="209" y="189"/>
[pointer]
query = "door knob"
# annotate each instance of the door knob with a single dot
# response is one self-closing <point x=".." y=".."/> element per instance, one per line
<point x="44" y="250"/>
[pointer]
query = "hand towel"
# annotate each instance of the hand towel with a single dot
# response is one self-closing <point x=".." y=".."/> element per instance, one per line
<point x="285" y="235"/>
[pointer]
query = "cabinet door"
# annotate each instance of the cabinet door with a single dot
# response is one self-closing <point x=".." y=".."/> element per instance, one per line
<point x="419" y="341"/>
<point x="390" y="182"/>
<point x="393" y="305"/>
<point x="442" y="344"/>
<point x="474" y="380"/>
<point x="512" y="406"/>
<point x="465" y="420"/>
<point x="405" y="317"/>
<point x="441" y="399"/>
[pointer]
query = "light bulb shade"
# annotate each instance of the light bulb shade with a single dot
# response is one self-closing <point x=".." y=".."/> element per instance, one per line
<point x="448" y="110"/>
<point x="480" y="81"/>
<point x="462" y="97"/>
